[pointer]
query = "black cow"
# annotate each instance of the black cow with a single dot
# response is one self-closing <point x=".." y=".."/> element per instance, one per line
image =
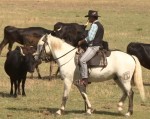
<point x="70" y="32"/>
<point x="25" y="36"/>
<point x="141" y="51"/>
<point x="16" y="66"/>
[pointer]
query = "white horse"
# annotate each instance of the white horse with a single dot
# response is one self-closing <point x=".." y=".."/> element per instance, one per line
<point x="121" y="67"/>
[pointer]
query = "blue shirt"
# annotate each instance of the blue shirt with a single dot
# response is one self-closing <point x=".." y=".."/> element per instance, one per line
<point x="92" y="32"/>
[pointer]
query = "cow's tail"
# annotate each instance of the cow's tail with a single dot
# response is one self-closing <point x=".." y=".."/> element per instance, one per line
<point x="138" y="78"/>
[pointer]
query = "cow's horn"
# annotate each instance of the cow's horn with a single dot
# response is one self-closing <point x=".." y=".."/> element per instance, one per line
<point x="34" y="54"/>
<point x="59" y="28"/>
<point x="21" y="51"/>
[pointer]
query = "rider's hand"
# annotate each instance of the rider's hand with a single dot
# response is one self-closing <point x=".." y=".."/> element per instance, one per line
<point x="81" y="42"/>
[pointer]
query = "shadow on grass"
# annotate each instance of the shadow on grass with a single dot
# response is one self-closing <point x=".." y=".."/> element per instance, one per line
<point x="108" y="113"/>
<point x="45" y="77"/>
<point x="53" y="111"/>
<point x="47" y="111"/>
<point x="23" y="109"/>
<point x="146" y="84"/>
<point x="3" y="94"/>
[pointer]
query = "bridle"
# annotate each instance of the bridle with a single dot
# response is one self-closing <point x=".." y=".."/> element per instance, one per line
<point x="43" y="49"/>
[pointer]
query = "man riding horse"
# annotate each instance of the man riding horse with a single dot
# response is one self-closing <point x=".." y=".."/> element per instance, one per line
<point x="94" y="40"/>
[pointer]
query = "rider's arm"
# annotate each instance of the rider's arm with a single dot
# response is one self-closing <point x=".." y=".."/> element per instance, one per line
<point x="91" y="33"/>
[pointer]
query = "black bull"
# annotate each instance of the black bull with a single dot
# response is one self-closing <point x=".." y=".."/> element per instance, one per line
<point x="17" y="65"/>
<point x="141" y="51"/>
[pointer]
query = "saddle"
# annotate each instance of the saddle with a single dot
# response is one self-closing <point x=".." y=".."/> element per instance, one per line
<point x="99" y="60"/>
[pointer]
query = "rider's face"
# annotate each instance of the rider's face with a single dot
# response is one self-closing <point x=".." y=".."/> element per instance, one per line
<point x="91" y="19"/>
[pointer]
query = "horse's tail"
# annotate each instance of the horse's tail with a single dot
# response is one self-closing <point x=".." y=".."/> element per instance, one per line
<point x="138" y="78"/>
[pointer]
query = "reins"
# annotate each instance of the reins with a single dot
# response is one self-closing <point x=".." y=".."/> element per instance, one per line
<point x="62" y="55"/>
<point x="65" y="54"/>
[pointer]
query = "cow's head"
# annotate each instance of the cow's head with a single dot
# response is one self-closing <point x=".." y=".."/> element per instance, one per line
<point x="27" y="58"/>
<point x="58" y="30"/>
<point x="70" y="32"/>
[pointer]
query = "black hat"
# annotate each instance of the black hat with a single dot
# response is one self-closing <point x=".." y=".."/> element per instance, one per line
<point x="92" y="13"/>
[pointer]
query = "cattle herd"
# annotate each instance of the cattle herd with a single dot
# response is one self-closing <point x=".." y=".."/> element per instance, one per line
<point x="21" y="60"/>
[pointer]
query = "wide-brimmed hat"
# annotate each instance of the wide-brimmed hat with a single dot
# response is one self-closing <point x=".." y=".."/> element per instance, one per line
<point x="92" y="13"/>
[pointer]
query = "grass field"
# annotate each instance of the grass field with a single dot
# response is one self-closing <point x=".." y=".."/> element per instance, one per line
<point x="124" y="21"/>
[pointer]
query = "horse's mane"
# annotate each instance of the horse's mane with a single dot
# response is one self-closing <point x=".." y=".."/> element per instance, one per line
<point x="55" y="42"/>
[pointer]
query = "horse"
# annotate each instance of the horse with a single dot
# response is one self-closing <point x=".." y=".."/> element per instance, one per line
<point x="122" y="67"/>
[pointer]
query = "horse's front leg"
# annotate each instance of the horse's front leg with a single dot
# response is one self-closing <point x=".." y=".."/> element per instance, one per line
<point x="82" y="90"/>
<point x="67" y="87"/>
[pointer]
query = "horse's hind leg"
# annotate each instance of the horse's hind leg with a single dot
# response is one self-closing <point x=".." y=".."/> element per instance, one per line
<point x="130" y="109"/>
<point x="129" y="92"/>
<point x="124" y="96"/>
<point x="125" y="85"/>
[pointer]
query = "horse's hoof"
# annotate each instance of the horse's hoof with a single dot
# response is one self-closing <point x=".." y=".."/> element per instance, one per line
<point x="92" y="110"/>
<point x="11" y="94"/>
<point x="127" y="114"/>
<point x="15" y="95"/>
<point x="120" y="104"/>
<point x="60" y="112"/>
<point x="23" y="95"/>
<point x="89" y="112"/>
<point x="120" y="109"/>
<point x="39" y="77"/>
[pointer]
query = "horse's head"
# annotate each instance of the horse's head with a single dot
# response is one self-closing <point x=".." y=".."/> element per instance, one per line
<point x="43" y="50"/>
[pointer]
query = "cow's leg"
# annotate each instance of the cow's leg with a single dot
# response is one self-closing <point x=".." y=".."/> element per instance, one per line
<point x="23" y="87"/>
<point x="10" y="46"/>
<point x="38" y="71"/>
<point x="57" y="71"/>
<point x="3" y="44"/>
<point x="19" y="93"/>
<point x="31" y="76"/>
<point x="50" y="70"/>
<point x="16" y="86"/>
<point x="11" y="89"/>
<point x="67" y="87"/>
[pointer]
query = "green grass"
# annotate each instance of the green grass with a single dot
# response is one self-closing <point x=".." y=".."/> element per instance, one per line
<point x="124" y="21"/>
